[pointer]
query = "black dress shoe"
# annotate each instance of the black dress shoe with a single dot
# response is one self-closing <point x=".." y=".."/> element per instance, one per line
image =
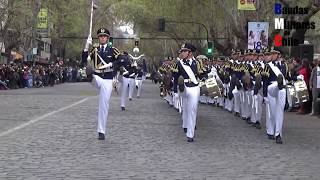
<point x="195" y="128"/>
<point x="278" y="139"/>
<point x="123" y="108"/>
<point x="257" y="125"/>
<point x="185" y="130"/>
<point x="190" y="139"/>
<point x="271" y="137"/>
<point x="130" y="99"/>
<point x="101" y="136"/>
<point x="249" y="121"/>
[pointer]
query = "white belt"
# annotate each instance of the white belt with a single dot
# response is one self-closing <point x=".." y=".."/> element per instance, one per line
<point x="187" y="81"/>
<point x="103" y="70"/>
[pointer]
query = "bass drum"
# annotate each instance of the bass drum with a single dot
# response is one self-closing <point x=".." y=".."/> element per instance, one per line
<point x="302" y="91"/>
<point x="213" y="88"/>
<point x="292" y="95"/>
<point x="203" y="88"/>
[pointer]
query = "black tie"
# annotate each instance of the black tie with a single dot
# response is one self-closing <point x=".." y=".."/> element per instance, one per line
<point x="187" y="62"/>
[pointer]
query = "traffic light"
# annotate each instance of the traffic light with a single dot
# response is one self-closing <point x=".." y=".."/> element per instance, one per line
<point x="110" y="41"/>
<point x="162" y="24"/>
<point x="136" y="43"/>
<point x="210" y="48"/>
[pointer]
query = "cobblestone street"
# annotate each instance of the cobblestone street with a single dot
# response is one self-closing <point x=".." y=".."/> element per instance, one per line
<point x="50" y="133"/>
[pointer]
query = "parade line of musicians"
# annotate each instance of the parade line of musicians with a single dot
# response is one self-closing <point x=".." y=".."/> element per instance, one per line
<point x="241" y="84"/>
<point x="245" y="81"/>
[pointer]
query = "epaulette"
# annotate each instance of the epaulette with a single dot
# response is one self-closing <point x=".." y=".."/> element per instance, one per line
<point x="116" y="52"/>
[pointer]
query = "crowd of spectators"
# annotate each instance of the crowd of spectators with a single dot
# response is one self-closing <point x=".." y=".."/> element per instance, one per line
<point x="19" y="75"/>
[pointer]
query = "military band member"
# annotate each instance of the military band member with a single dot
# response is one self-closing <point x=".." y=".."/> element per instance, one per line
<point x="236" y="85"/>
<point x="128" y="82"/>
<point x="257" y="98"/>
<point x="275" y="94"/>
<point x="105" y="65"/>
<point x="188" y="69"/>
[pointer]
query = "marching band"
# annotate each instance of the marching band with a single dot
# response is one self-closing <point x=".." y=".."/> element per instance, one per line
<point x="242" y="84"/>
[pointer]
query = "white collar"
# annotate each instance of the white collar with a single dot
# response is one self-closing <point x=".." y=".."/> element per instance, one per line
<point x="104" y="46"/>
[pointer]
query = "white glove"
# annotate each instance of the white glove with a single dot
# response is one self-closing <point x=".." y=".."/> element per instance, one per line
<point x="88" y="43"/>
<point x="176" y="95"/>
<point x="109" y="65"/>
<point x="300" y="77"/>
<point x="266" y="100"/>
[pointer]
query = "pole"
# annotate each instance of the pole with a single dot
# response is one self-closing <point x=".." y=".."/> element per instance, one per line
<point x="91" y="15"/>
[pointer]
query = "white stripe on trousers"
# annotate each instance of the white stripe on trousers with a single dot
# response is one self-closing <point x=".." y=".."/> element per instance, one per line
<point x="105" y="89"/>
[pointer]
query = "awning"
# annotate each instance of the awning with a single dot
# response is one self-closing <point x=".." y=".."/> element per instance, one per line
<point x="16" y="55"/>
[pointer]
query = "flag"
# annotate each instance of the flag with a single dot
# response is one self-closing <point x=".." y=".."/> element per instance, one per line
<point x="248" y="5"/>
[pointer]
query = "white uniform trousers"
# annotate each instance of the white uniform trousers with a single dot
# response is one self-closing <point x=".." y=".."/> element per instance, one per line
<point x="139" y="85"/>
<point x="131" y="87"/>
<point x="248" y="104"/>
<point x="124" y="90"/>
<point x="171" y="102"/>
<point x="277" y="100"/>
<point x="237" y="101"/>
<point x="176" y="101"/>
<point x="181" y="94"/>
<point x="228" y="103"/>
<point x="220" y="101"/>
<point x="190" y="109"/>
<point x="242" y="102"/>
<point x="256" y="108"/>
<point x="105" y="89"/>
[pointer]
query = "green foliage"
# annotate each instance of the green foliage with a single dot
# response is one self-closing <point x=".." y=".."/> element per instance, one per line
<point x="226" y="24"/>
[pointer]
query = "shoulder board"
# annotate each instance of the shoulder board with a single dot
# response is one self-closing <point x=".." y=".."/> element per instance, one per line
<point x="116" y="52"/>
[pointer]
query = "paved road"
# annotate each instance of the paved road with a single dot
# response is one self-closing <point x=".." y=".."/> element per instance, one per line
<point x="50" y="133"/>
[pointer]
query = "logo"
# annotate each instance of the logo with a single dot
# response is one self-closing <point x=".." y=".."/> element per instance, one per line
<point x="288" y="25"/>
